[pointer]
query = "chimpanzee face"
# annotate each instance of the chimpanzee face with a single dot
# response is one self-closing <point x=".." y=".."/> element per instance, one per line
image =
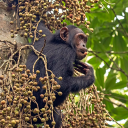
<point x="78" y="40"/>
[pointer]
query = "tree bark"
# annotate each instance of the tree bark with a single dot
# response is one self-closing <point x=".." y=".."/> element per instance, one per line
<point x="7" y="15"/>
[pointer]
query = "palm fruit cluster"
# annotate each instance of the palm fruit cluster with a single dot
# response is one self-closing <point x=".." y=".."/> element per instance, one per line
<point x="89" y="111"/>
<point x="16" y="95"/>
<point x="16" y="98"/>
<point x="54" y="14"/>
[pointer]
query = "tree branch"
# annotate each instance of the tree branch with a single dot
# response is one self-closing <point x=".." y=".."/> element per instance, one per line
<point x="119" y="22"/>
<point x="119" y="105"/>
<point x="117" y="69"/>
<point x="111" y="52"/>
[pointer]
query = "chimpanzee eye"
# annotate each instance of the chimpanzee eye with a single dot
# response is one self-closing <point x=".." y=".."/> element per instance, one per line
<point x="81" y="37"/>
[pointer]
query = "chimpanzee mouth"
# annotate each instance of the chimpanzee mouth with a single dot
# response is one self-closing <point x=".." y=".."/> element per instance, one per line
<point x="82" y="52"/>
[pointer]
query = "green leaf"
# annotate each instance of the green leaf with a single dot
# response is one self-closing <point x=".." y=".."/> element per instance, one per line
<point x="106" y="41"/>
<point x="102" y="15"/>
<point x="122" y="76"/>
<point x="109" y="105"/>
<point x="119" y="113"/>
<point x="95" y="22"/>
<point x="97" y="84"/>
<point x="118" y="43"/>
<point x="100" y="76"/>
<point x="120" y="97"/>
<point x="99" y="47"/>
<point x="126" y="124"/>
<point x="120" y="85"/>
<point x="95" y="62"/>
<point x="104" y="33"/>
<point x="120" y="6"/>
<point x="110" y="81"/>
<point x="124" y="63"/>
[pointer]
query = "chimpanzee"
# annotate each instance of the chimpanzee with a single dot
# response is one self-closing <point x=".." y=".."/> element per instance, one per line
<point x="63" y="51"/>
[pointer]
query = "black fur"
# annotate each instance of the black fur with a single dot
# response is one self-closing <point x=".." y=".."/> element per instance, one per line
<point x="60" y="58"/>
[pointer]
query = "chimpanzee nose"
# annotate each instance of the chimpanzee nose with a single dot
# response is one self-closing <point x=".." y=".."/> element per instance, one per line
<point x="83" y="45"/>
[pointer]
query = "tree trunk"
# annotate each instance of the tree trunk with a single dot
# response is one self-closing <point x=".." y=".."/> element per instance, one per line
<point x="7" y="15"/>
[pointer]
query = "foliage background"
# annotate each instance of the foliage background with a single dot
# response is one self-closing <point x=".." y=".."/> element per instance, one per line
<point x="108" y="54"/>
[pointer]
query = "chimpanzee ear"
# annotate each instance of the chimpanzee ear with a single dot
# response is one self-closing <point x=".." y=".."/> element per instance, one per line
<point x="64" y="33"/>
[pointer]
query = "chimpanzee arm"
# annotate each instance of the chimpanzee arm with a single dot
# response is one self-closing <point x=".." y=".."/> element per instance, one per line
<point x="75" y="84"/>
<point x="83" y="81"/>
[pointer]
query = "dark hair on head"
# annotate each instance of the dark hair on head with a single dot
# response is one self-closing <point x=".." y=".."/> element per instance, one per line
<point x="56" y="37"/>
<point x="70" y="27"/>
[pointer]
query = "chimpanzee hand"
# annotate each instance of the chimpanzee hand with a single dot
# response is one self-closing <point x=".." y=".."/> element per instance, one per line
<point x="83" y="68"/>
<point x="88" y="70"/>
